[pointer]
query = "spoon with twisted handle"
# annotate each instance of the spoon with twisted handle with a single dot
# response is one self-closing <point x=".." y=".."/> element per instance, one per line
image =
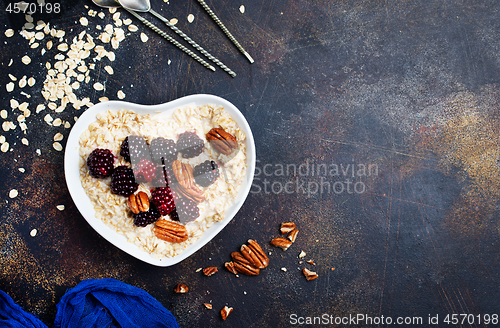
<point x="145" y="6"/>
<point x="115" y="4"/>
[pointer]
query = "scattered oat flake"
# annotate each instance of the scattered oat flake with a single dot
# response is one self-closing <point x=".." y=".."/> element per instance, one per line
<point x="58" y="137"/>
<point x="31" y="81"/>
<point x="283" y="269"/>
<point x="5" y="147"/>
<point x="242" y="9"/>
<point x="25" y="141"/>
<point x="199" y="269"/>
<point x="133" y="28"/>
<point x="144" y="37"/>
<point x="109" y="69"/>
<point x="98" y="86"/>
<point x="26" y="60"/>
<point x="57" y="122"/>
<point x="190" y="18"/>
<point x="120" y="94"/>
<point x="9" y="33"/>
<point x="63" y="47"/>
<point x="57" y="146"/>
<point x="302" y="254"/>
<point x="84" y="21"/>
<point x="4" y="114"/>
<point x="33" y="233"/>
<point x="9" y="86"/>
<point x="103" y="99"/>
<point x="21" y="169"/>
<point x="13" y="193"/>
<point x="60" y="207"/>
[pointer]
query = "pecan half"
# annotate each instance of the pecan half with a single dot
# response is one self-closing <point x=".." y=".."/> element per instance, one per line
<point x="138" y="202"/>
<point x="251" y="257"/>
<point x="181" y="289"/>
<point x="225" y="312"/>
<point x="209" y="271"/>
<point x="293" y="235"/>
<point x="230" y="267"/>
<point x="222" y="141"/>
<point x="310" y="275"/>
<point x="281" y="242"/>
<point x="186" y="186"/>
<point x="246" y="269"/>
<point x="258" y="251"/>
<point x="287" y="227"/>
<point x="170" y="231"/>
<point x="242" y="265"/>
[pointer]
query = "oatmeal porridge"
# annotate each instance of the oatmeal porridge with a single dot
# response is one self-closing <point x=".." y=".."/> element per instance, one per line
<point x="187" y="192"/>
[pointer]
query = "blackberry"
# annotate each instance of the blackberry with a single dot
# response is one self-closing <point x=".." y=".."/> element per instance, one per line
<point x="134" y="148"/>
<point x="164" y="176"/>
<point x="163" y="151"/>
<point x="206" y="173"/>
<point x="142" y="219"/>
<point x="123" y="182"/>
<point x="124" y="151"/>
<point x="145" y="171"/>
<point x="189" y="144"/>
<point x="163" y="199"/>
<point x="101" y="163"/>
<point x="186" y="210"/>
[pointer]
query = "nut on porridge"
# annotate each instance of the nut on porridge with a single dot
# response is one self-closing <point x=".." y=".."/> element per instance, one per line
<point x="163" y="179"/>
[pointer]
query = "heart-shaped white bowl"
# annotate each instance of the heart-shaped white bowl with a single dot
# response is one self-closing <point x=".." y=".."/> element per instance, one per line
<point x="84" y="205"/>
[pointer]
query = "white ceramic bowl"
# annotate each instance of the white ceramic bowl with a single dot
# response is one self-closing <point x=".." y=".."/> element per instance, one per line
<point x="84" y="205"/>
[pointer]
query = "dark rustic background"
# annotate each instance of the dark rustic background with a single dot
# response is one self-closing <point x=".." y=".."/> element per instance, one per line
<point x="409" y="86"/>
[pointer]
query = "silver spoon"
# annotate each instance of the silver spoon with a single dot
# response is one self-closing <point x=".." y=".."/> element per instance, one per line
<point x="145" y="6"/>
<point x="115" y="4"/>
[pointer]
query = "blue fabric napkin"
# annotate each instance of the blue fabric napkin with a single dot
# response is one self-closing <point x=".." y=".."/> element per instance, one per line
<point x="99" y="303"/>
<point x="13" y="316"/>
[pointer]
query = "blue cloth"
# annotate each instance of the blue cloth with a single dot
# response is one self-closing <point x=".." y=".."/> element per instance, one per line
<point x="99" y="303"/>
<point x="13" y="316"/>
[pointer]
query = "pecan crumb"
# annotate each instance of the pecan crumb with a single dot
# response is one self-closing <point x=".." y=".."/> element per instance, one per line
<point x="225" y="312"/>
<point x="310" y="275"/>
<point x="208" y="306"/>
<point x="181" y="289"/>
<point x="209" y="271"/>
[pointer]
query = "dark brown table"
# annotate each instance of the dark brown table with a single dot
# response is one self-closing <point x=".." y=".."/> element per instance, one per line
<point x="406" y="93"/>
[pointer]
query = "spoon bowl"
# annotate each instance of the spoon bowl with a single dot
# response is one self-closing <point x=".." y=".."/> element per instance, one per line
<point x="106" y="3"/>
<point x="136" y="5"/>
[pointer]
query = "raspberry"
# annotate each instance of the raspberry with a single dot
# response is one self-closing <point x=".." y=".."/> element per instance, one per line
<point x="101" y="163"/>
<point x="163" y="199"/>
<point x="186" y="210"/>
<point x="123" y="182"/>
<point x="206" y="173"/>
<point x="134" y="148"/>
<point x="163" y="151"/>
<point x="189" y="144"/>
<point x="145" y="171"/>
<point x="142" y="219"/>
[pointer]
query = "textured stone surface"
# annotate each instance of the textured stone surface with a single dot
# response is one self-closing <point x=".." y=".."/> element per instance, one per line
<point x="411" y="87"/>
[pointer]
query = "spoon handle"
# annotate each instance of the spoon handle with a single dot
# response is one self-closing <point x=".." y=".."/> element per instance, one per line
<point x="225" y="30"/>
<point x="193" y="43"/>
<point x="169" y="38"/>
